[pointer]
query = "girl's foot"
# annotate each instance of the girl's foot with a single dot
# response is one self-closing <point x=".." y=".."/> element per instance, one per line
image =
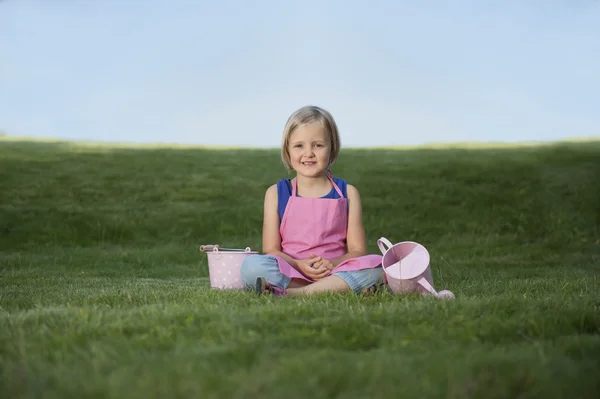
<point x="263" y="287"/>
<point x="375" y="288"/>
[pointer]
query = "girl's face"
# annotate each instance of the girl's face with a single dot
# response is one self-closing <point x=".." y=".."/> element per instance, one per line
<point x="309" y="149"/>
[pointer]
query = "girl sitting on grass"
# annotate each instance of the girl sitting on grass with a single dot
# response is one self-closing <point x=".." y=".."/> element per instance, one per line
<point x="313" y="234"/>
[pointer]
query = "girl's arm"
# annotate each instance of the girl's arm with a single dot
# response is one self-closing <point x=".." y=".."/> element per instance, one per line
<point x="356" y="238"/>
<point x="271" y="239"/>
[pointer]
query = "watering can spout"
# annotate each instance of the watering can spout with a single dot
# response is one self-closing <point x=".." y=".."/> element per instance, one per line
<point x="445" y="294"/>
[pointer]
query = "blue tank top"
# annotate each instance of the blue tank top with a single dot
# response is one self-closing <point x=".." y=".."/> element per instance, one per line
<point x="284" y="192"/>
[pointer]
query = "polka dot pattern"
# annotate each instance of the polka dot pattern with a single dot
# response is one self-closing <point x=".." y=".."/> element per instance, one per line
<point x="224" y="270"/>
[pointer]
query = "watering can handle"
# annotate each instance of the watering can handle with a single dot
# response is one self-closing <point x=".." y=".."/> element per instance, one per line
<point x="381" y="242"/>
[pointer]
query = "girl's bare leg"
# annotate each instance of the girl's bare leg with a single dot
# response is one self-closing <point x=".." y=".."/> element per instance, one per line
<point x="328" y="284"/>
<point x="297" y="283"/>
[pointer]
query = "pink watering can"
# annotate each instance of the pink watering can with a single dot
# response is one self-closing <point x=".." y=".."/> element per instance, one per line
<point x="406" y="268"/>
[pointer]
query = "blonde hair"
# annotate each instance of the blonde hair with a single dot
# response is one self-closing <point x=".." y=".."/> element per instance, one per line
<point x="305" y="116"/>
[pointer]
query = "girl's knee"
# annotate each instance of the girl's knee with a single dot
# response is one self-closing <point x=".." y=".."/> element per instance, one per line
<point x="375" y="276"/>
<point x="254" y="266"/>
<point x="362" y="279"/>
<point x="250" y="265"/>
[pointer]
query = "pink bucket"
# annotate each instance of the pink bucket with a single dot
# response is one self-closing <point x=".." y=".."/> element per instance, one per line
<point x="224" y="266"/>
<point x="407" y="269"/>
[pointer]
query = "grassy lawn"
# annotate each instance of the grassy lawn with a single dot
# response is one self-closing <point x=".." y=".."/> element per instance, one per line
<point x="103" y="292"/>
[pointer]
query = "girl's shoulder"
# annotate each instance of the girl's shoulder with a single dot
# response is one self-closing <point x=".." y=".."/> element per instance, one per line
<point x="284" y="188"/>
<point x="343" y="185"/>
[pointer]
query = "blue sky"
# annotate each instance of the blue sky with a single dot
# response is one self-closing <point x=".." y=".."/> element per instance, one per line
<point x="231" y="72"/>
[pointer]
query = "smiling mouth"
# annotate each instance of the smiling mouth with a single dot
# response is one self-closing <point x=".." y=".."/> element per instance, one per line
<point x="308" y="163"/>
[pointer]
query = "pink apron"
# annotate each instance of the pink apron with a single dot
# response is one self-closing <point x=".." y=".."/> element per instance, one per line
<point x="318" y="225"/>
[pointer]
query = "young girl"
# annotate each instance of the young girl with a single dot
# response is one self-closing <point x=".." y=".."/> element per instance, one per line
<point x="313" y="234"/>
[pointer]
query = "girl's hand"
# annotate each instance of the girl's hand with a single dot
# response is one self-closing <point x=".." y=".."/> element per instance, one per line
<point x="325" y="263"/>
<point x="309" y="268"/>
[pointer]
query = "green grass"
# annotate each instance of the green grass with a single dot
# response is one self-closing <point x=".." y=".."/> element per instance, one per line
<point x="103" y="292"/>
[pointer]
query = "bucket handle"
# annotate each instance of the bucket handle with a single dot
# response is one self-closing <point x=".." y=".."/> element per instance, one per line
<point x="381" y="242"/>
<point x="207" y="248"/>
<point x="216" y="248"/>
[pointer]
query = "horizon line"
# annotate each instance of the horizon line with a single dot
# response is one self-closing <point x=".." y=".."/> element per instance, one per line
<point x="142" y="145"/>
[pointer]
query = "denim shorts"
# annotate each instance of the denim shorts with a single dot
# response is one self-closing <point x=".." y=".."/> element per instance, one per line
<point x="266" y="266"/>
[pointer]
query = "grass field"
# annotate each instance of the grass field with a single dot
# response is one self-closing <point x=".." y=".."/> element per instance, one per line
<point x="103" y="292"/>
